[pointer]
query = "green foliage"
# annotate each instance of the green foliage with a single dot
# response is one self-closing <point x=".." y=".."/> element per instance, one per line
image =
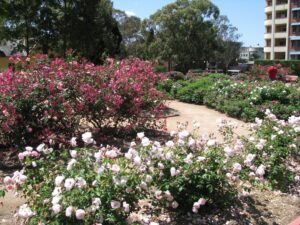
<point x="195" y="92"/>
<point x="245" y="100"/>
<point x="2" y="193"/>
<point x="87" y="27"/>
<point x="160" y="69"/>
<point x="178" y="27"/>
<point x="293" y="64"/>
<point x="192" y="172"/>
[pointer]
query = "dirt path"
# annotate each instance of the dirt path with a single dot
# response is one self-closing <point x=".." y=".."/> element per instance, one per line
<point x="205" y="116"/>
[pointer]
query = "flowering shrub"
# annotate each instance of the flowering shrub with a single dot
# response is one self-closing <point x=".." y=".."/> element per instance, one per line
<point x="274" y="153"/>
<point x="245" y="100"/>
<point x="248" y="100"/>
<point x="258" y="72"/>
<point x="44" y="98"/>
<point x="102" y="185"/>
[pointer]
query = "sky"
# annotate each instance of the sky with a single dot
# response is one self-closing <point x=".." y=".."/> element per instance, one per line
<point x="247" y="15"/>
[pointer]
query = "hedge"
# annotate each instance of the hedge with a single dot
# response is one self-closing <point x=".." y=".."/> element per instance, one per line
<point x="293" y="64"/>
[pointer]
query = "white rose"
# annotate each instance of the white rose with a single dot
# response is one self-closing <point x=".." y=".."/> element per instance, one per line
<point x="59" y="180"/>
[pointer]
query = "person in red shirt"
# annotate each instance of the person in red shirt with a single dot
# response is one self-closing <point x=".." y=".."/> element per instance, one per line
<point x="272" y="71"/>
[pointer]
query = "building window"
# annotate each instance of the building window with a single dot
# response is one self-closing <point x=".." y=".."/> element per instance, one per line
<point x="280" y="2"/>
<point x="281" y="14"/>
<point x="296" y="29"/>
<point x="296" y="44"/>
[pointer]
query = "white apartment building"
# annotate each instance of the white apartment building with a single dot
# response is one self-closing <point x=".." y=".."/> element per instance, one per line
<point x="282" y="34"/>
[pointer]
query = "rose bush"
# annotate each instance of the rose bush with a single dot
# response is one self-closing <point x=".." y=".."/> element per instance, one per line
<point x="191" y="172"/>
<point x="244" y="100"/>
<point x="41" y="98"/>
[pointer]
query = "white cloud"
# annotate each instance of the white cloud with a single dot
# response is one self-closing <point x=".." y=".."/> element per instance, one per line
<point x="130" y="13"/>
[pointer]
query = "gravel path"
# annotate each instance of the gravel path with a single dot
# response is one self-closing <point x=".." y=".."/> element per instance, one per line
<point x="202" y="114"/>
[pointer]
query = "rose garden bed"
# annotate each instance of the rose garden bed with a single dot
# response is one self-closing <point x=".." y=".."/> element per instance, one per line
<point x="72" y="178"/>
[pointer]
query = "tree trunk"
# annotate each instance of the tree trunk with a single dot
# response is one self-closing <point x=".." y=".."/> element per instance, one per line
<point x="65" y="30"/>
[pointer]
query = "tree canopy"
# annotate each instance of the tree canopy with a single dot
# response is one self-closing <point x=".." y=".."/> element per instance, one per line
<point x="186" y="33"/>
<point x="88" y="27"/>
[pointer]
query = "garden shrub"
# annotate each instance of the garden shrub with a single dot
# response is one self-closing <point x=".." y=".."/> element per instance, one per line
<point x="43" y="97"/>
<point x="294" y="65"/>
<point x="190" y="173"/>
<point x="247" y="100"/>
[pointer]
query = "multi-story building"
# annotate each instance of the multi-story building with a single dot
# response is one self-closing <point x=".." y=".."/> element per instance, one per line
<point x="282" y="35"/>
<point x="250" y="54"/>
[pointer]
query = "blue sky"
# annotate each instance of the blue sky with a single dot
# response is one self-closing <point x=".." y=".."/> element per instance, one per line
<point x="246" y="15"/>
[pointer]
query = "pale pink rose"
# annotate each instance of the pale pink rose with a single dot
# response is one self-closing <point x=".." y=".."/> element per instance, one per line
<point x="126" y="207"/>
<point x="87" y="138"/>
<point x="41" y="147"/>
<point x="195" y="210"/>
<point x="73" y="153"/>
<point x="69" y="211"/>
<point x="25" y="212"/>
<point x="237" y="168"/>
<point x="137" y="161"/>
<point x="140" y="135"/>
<point x="145" y="141"/>
<point x="149" y="179"/>
<point x="158" y="194"/>
<point x="73" y="142"/>
<point x="115" y="168"/>
<point x="8" y="181"/>
<point x="80" y="214"/>
<point x="173" y="171"/>
<point x="35" y="154"/>
<point x="80" y="182"/>
<point x="115" y="204"/>
<point x="96" y="201"/>
<point x="69" y="183"/>
<point x="170" y="144"/>
<point x="59" y="180"/>
<point x="202" y="201"/>
<point x="56" y="208"/>
<point x="174" y="205"/>
<point x="261" y="170"/>
<point x="21" y="156"/>
<point x="183" y="134"/>
<point x="111" y="154"/>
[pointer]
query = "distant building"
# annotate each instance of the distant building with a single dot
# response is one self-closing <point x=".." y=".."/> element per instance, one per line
<point x="282" y="35"/>
<point x="250" y="54"/>
<point x="7" y="47"/>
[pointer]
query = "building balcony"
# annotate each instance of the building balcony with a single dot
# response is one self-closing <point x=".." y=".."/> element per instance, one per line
<point x="281" y="21"/>
<point x="281" y="7"/>
<point x="295" y="20"/>
<point x="268" y="22"/>
<point x="294" y="52"/>
<point x="268" y="35"/>
<point x="295" y="37"/>
<point x="267" y="49"/>
<point x="280" y="49"/>
<point x="280" y="35"/>
<point x="296" y="8"/>
<point x="295" y="49"/>
<point x="268" y="9"/>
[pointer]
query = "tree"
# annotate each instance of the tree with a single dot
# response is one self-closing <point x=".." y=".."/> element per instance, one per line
<point x="184" y="32"/>
<point x="87" y="27"/>
<point x="19" y="22"/>
<point x="228" y="44"/>
<point x="132" y="36"/>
